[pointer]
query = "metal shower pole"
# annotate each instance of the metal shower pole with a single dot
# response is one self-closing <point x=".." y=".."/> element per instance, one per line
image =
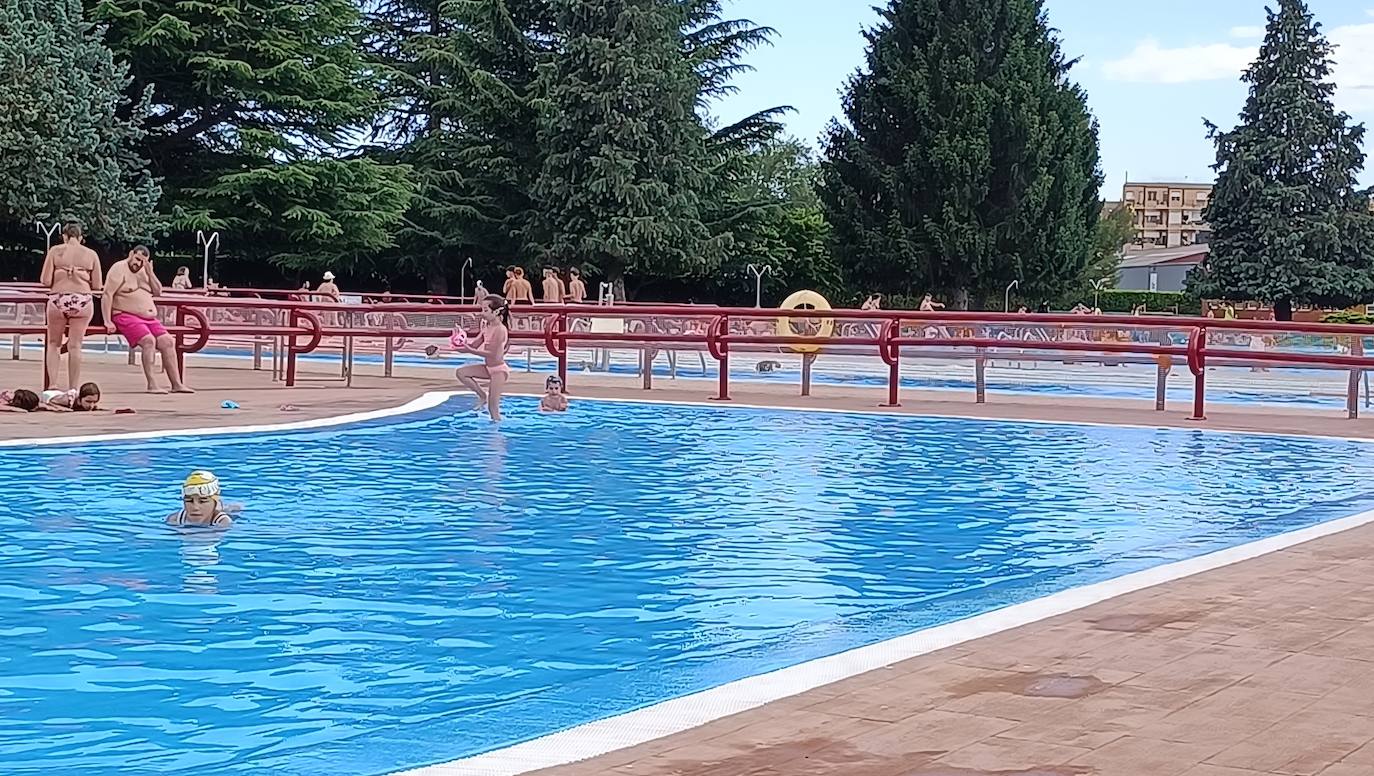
<point x="209" y="243"/>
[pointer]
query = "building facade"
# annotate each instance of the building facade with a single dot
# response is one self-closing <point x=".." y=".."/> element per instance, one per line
<point x="1167" y="214"/>
<point x="1159" y="269"/>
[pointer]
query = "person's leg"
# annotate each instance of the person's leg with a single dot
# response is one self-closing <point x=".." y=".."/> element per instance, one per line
<point x="167" y="347"/>
<point x="469" y="375"/>
<point x="52" y="344"/>
<point x="76" y="337"/>
<point x="495" y="389"/>
<point x="148" y="347"/>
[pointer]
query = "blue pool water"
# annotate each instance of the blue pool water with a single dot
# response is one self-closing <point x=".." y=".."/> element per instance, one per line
<point x="415" y="590"/>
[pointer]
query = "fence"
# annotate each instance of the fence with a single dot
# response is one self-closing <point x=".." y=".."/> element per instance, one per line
<point x="291" y="329"/>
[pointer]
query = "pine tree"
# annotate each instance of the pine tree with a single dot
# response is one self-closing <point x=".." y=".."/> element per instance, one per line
<point x="64" y="153"/>
<point x="257" y="95"/>
<point x="459" y="75"/>
<point x="969" y="159"/>
<point x="624" y="165"/>
<point x="1289" y="224"/>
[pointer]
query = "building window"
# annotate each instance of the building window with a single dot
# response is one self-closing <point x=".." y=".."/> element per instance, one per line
<point x="1152" y="196"/>
<point x="1130" y="196"/>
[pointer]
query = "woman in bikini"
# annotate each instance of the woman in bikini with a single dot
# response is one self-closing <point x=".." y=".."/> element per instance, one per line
<point x="71" y="271"/>
<point x="491" y="345"/>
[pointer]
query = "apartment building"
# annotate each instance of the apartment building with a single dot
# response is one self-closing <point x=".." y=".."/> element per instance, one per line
<point x="1167" y="214"/>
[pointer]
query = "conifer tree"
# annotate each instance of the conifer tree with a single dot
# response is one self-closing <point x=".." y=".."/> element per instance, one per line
<point x="1289" y="224"/>
<point x="969" y="159"/>
<point x="624" y="164"/>
<point x="65" y="150"/>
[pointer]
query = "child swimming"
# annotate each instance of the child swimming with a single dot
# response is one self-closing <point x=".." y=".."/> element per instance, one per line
<point x="201" y="503"/>
<point x="83" y="399"/>
<point x="554" y="399"/>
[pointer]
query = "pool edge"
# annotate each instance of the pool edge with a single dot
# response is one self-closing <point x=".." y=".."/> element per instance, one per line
<point x="623" y="731"/>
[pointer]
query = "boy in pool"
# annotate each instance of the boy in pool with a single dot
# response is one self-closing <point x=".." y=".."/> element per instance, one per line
<point x="201" y="503"/>
<point x="554" y="399"/>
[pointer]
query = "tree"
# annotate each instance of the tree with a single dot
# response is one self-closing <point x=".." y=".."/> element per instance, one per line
<point x="247" y="90"/>
<point x="1113" y="231"/>
<point x="458" y="78"/>
<point x="64" y="151"/>
<point x="624" y="165"/>
<point x="1289" y="224"/>
<point x="969" y="159"/>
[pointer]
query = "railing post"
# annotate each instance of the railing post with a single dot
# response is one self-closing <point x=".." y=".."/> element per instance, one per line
<point x="891" y="354"/>
<point x="1352" y="397"/>
<point x="1161" y="381"/>
<point x="980" y="379"/>
<point x="1197" y="364"/>
<point x="807" y="360"/>
<point x="719" y="348"/>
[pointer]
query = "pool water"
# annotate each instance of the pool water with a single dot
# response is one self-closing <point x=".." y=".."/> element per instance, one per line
<point x="423" y="588"/>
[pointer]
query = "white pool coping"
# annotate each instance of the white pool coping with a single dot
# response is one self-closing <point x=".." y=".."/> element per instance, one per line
<point x="684" y="713"/>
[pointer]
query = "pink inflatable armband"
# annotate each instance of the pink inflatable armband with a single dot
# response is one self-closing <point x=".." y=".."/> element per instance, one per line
<point x="458" y="339"/>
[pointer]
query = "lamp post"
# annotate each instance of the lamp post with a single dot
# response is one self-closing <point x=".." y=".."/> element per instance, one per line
<point x="1098" y="287"/>
<point x="463" y="279"/>
<point x="759" y="270"/>
<point x="209" y="243"/>
<point x="48" y="231"/>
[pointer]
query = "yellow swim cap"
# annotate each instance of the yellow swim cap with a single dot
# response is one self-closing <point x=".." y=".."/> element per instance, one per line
<point x="200" y="483"/>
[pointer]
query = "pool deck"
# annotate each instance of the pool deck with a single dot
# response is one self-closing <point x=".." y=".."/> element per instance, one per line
<point x="1262" y="668"/>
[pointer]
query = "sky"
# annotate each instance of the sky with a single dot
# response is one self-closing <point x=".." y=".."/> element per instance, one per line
<point x="1153" y="71"/>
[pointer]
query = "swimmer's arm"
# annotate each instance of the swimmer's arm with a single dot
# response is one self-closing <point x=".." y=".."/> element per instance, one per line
<point x="8" y="408"/>
<point x="52" y="406"/>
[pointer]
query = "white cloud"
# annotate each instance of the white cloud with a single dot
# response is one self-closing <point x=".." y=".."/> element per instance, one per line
<point x="1354" y="71"/>
<point x="1247" y="32"/>
<point x="1152" y="63"/>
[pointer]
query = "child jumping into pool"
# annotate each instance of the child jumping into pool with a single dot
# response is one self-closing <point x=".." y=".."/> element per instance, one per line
<point x="490" y="344"/>
<point x="554" y="399"/>
<point x="201" y="504"/>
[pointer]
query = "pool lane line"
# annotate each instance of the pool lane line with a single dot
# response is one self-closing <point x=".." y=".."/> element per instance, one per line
<point x="678" y="715"/>
<point x="425" y="401"/>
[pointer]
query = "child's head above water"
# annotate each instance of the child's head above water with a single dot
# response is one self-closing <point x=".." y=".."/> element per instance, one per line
<point x="553" y="385"/>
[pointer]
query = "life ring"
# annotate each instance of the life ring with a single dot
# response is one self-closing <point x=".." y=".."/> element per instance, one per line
<point x="805" y="299"/>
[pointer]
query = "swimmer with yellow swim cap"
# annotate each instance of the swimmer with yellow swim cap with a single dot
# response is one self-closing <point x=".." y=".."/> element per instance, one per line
<point x="201" y="503"/>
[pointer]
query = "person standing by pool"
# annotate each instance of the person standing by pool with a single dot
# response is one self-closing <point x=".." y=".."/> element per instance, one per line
<point x="328" y="291"/>
<point x="490" y="344"/>
<point x="182" y="280"/>
<point x="480" y="294"/>
<point x="201" y="504"/>
<point x="577" y="290"/>
<point x="129" y="293"/>
<point x="522" y="291"/>
<point x="553" y="287"/>
<point x="71" y="271"/>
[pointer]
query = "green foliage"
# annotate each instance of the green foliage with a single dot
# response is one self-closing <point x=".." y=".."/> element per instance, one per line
<point x="458" y="76"/>
<point x="1289" y="224"/>
<point x="1349" y="317"/>
<point x="1116" y="301"/>
<point x="68" y="133"/>
<point x="256" y="98"/>
<point x="1114" y="230"/>
<point x="969" y="159"/>
<point x="623" y="174"/>
<point x="326" y="213"/>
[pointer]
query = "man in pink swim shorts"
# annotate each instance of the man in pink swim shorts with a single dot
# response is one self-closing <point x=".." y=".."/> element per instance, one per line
<point x="130" y="288"/>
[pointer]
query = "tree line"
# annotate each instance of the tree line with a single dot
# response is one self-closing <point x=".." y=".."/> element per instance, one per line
<point x="398" y="142"/>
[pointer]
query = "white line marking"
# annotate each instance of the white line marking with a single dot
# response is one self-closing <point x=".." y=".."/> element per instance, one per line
<point x="426" y="401"/>
<point x="680" y="714"/>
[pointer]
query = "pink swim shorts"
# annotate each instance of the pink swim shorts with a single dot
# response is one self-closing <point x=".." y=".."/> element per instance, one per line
<point x="136" y="327"/>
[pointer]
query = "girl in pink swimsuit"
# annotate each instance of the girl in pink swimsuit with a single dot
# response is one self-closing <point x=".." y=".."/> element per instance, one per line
<point x="490" y="344"/>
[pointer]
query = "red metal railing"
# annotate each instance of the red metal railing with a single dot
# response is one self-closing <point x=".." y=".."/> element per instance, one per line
<point x="306" y="327"/>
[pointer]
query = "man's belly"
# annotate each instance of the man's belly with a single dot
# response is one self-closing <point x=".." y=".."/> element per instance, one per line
<point x="140" y="304"/>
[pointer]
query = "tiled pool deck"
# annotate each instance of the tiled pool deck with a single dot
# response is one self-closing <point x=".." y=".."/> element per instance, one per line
<point x="1261" y="668"/>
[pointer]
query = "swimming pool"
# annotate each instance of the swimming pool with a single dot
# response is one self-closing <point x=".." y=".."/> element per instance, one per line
<point x="419" y="589"/>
